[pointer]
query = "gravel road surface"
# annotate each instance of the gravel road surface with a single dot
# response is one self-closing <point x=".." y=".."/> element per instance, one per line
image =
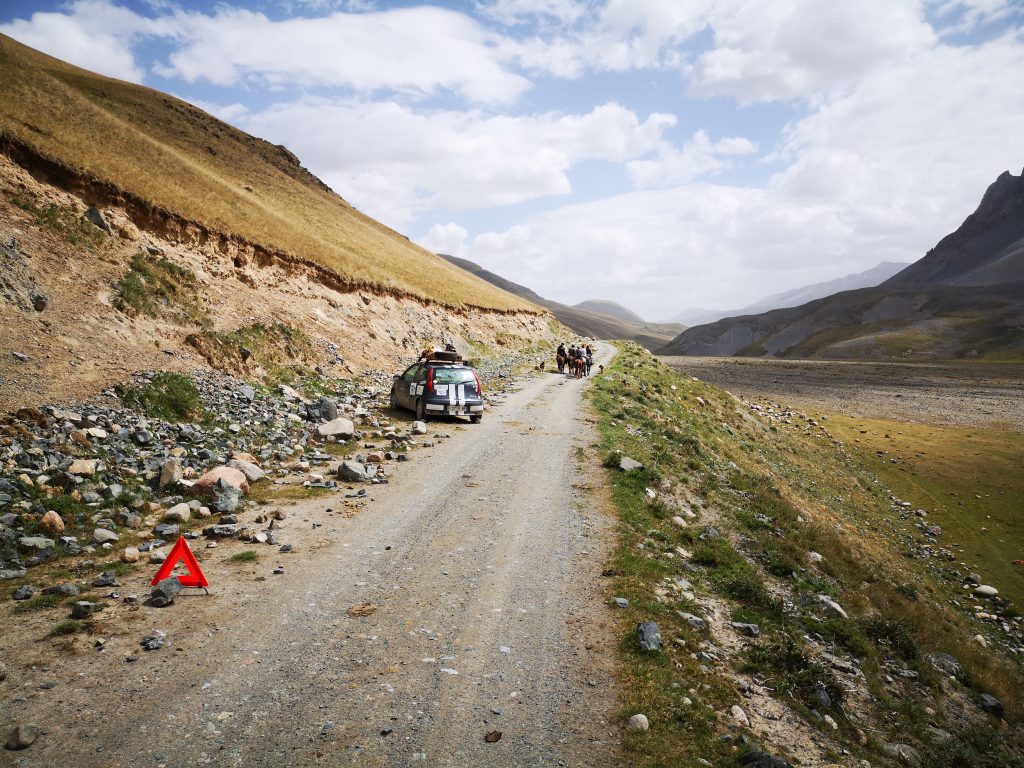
<point x="483" y="561"/>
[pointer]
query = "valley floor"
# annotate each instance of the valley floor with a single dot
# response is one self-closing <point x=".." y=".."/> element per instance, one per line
<point x="952" y="393"/>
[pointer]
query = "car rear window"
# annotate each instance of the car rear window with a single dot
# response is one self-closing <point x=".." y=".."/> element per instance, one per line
<point x="453" y="375"/>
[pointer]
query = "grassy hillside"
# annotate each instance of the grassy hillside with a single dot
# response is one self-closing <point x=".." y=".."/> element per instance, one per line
<point x="607" y="307"/>
<point x="159" y="153"/>
<point x="584" y="321"/>
<point x="738" y="517"/>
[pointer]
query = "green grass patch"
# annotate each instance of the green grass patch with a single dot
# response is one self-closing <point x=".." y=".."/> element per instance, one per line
<point x="247" y="556"/>
<point x="276" y="353"/>
<point x="37" y="603"/>
<point x="169" y="396"/>
<point x="63" y="222"/>
<point x="157" y="287"/>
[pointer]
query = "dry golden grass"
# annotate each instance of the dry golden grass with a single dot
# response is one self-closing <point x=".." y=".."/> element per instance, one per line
<point x="176" y="157"/>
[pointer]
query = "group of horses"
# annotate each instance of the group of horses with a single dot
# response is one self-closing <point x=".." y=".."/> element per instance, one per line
<point x="573" y="364"/>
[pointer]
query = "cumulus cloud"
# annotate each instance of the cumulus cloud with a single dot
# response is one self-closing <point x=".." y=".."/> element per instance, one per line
<point x="526" y="11"/>
<point x="95" y="35"/>
<point x="698" y="157"/>
<point x="393" y="161"/>
<point x="447" y="238"/>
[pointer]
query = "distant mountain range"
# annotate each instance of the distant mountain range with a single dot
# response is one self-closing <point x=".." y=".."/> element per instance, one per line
<point x="614" y="322"/>
<point x="794" y="298"/>
<point x="965" y="298"/>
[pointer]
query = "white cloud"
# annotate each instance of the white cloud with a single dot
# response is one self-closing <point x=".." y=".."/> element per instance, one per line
<point x="779" y="51"/>
<point x="524" y="11"/>
<point x="973" y="13"/>
<point x="699" y="156"/>
<point x="95" y="35"/>
<point x="419" y="51"/>
<point x="393" y="162"/>
<point x="447" y="238"/>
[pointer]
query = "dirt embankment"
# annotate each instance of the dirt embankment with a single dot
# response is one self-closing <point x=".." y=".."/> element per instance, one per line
<point x="960" y="393"/>
<point x="62" y="278"/>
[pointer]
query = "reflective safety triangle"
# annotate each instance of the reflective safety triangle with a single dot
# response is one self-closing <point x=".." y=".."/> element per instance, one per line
<point x="181" y="553"/>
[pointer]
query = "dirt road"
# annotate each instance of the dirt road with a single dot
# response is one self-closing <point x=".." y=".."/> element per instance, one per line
<point x="484" y="562"/>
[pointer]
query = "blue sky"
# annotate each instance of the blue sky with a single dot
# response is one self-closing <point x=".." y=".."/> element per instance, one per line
<point x="661" y="153"/>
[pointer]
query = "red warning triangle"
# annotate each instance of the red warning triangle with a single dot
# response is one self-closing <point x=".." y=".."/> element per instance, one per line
<point x="181" y="552"/>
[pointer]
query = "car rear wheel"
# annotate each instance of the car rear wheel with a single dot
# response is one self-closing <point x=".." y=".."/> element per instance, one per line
<point x="477" y="418"/>
<point x="421" y="411"/>
<point x="393" y="402"/>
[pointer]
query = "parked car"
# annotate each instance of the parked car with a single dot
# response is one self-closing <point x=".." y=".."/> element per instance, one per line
<point x="434" y="388"/>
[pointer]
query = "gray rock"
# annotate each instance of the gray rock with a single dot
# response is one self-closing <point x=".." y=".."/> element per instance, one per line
<point x="23" y="592"/>
<point x="12" y="573"/>
<point x="36" y="542"/>
<point x="165" y="591"/>
<point x="694" y="621"/>
<point x="82" y="609"/>
<point x="170" y="472"/>
<point x="225" y="497"/>
<point x="65" y="590"/>
<point x="103" y="536"/>
<point x="354" y="471"/>
<point x="251" y="471"/>
<point x="95" y="216"/>
<point x="105" y="579"/>
<point x="750" y="630"/>
<point x="419" y="428"/>
<point x="985" y="590"/>
<point x="649" y="636"/>
<point x="832" y="607"/>
<point x="166" y="530"/>
<point x="3" y="671"/>
<point x="639" y="723"/>
<point x="760" y="759"/>
<point x="224" y="531"/>
<point x="904" y="753"/>
<point x="946" y="663"/>
<point x="22" y="736"/>
<point x="621" y="602"/>
<point x="990" y="704"/>
<point x="21" y="357"/>
<point x="627" y="464"/>
<point x="247" y="393"/>
<point x="340" y="427"/>
<point x="937" y="736"/>
<point x="154" y="640"/>
<point x="819" y="698"/>
<point x="324" y="409"/>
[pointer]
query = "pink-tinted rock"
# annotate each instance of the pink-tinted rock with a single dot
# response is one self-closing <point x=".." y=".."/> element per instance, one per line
<point x="234" y="477"/>
<point x="52" y="523"/>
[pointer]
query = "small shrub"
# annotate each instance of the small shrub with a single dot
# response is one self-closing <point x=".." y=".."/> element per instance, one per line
<point x="892" y="633"/>
<point x="37" y="603"/>
<point x="169" y="396"/>
<point x="248" y="556"/>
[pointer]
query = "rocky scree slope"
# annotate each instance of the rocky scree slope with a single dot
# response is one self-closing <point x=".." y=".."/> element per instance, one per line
<point x="779" y="606"/>
<point x="964" y="299"/>
<point x="586" y="321"/>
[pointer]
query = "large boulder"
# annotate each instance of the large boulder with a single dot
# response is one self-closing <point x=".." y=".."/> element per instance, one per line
<point x="356" y="472"/>
<point x="340" y="427"/>
<point x="235" y="478"/>
<point x="225" y="497"/>
<point x="324" y="409"/>
<point x="249" y="469"/>
<point x="165" y="591"/>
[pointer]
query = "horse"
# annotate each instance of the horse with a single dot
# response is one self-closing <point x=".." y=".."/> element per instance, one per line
<point x="561" y="360"/>
<point x="577" y="364"/>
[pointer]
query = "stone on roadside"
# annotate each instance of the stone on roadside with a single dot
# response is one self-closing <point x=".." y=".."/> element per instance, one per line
<point x="354" y="471"/>
<point x="154" y="640"/>
<point x="130" y="555"/>
<point x="649" y="636"/>
<point x="225" y="496"/>
<point x="250" y="470"/>
<point x="737" y="713"/>
<point x="105" y="579"/>
<point x="170" y="472"/>
<point x="340" y="427"/>
<point x="324" y="409"/>
<point x="638" y="723"/>
<point x="984" y="590"/>
<point x="205" y="484"/>
<point x="22" y="737"/>
<point x="179" y="513"/>
<point x="419" y="428"/>
<point x="103" y="536"/>
<point x="82" y="609"/>
<point x="165" y="591"/>
<point x="82" y="467"/>
<point x="23" y="592"/>
<point x="627" y="464"/>
<point x="52" y="523"/>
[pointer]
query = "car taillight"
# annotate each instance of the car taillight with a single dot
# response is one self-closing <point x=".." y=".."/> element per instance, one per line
<point x="430" y="379"/>
<point x="479" y="389"/>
